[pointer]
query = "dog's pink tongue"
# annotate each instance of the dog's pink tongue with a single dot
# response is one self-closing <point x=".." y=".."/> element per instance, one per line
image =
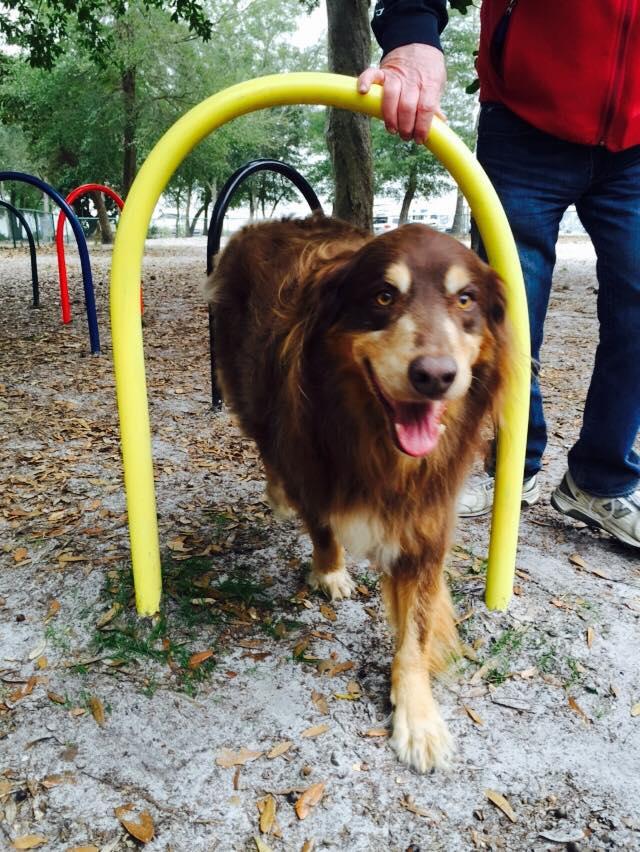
<point x="417" y="426"/>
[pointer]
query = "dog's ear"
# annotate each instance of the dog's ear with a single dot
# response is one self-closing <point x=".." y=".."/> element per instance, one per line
<point x="332" y="291"/>
<point x="496" y="301"/>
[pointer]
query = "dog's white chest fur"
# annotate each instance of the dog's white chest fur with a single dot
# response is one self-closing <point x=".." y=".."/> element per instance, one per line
<point x="366" y="536"/>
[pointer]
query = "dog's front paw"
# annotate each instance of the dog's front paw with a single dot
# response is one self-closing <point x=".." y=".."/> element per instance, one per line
<point x="421" y="739"/>
<point x="335" y="584"/>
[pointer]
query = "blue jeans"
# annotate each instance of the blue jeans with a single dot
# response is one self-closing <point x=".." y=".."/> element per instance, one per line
<point x="538" y="176"/>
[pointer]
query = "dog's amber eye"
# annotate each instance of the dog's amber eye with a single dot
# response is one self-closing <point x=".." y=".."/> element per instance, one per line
<point x="384" y="298"/>
<point x="466" y="300"/>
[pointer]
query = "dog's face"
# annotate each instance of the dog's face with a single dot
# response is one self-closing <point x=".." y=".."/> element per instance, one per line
<point x="421" y="313"/>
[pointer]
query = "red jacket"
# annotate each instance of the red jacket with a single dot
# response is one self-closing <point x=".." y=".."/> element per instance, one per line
<point x="569" y="67"/>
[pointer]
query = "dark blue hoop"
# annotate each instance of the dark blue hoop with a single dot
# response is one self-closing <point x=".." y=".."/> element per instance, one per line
<point x="214" y="234"/>
<point x="32" y="250"/>
<point x="89" y="296"/>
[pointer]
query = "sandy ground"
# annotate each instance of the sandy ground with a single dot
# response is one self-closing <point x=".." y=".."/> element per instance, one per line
<point x="100" y="710"/>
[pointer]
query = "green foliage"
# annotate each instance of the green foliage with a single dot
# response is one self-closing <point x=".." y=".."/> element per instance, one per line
<point x="462" y="6"/>
<point x="77" y="119"/>
<point x="42" y="28"/>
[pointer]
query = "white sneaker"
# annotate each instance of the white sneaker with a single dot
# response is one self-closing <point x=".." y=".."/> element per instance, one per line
<point x="619" y="516"/>
<point x="477" y="498"/>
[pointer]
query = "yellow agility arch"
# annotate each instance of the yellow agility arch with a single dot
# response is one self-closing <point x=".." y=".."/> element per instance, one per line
<point x="170" y="151"/>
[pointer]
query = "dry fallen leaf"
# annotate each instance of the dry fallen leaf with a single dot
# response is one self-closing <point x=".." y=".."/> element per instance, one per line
<point x="29" y="841"/>
<point x="196" y="660"/>
<point x="38" y="651"/>
<point x="55" y="780"/>
<point x="590" y="636"/>
<point x="54" y="609"/>
<point x="261" y="846"/>
<point x="267" y="809"/>
<point x="328" y="612"/>
<point x="341" y="667"/>
<point x="477" y="676"/>
<point x="408" y="803"/>
<point x="83" y="849"/>
<point x="97" y="709"/>
<point x="525" y="674"/>
<point x="57" y="699"/>
<point x="376" y="732"/>
<point x="308" y="846"/>
<point x="320" y="702"/>
<point x="577" y="709"/>
<point x="309" y="799"/>
<point x="562" y="604"/>
<point x="473" y="715"/>
<point x="279" y="748"/>
<point x="635" y="710"/>
<point x="229" y="758"/>
<point x="108" y="616"/>
<point x="315" y="731"/>
<point x="20" y="555"/>
<point x="143" y="830"/>
<point x="300" y="647"/>
<point x="501" y="803"/>
<point x="579" y="562"/>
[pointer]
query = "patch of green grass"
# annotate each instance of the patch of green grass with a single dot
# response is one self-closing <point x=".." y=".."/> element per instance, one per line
<point x="199" y="606"/>
<point x="547" y="661"/>
<point x="502" y="652"/>
<point x="368" y="580"/>
<point x="496" y="676"/>
<point x="508" y="643"/>
<point x="58" y="636"/>
<point x="575" y="675"/>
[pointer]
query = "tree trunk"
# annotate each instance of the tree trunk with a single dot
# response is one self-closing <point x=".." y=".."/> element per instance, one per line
<point x="460" y="225"/>
<point x="194" y="221"/>
<point x="210" y="192"/>
<point x="275" y="204"/>
<point x="348" y="134"/>
<point x="409" y="194"/>
<point x="187" y="211"/>
<point x="128" y="83"/>
<point x="106" y="234"/>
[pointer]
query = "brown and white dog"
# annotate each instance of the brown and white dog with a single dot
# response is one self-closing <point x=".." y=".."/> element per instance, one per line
<point x="363" y="367"/>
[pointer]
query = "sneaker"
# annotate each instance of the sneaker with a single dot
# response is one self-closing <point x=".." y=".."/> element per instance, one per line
<point x="619" y="516"/>
<point x="477" y="498"/>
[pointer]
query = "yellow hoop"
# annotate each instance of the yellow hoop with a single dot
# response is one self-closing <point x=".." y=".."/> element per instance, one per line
<point x="128" y="354"/>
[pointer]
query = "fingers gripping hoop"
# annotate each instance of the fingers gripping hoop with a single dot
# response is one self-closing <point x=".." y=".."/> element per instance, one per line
<point x="279" y="90"/>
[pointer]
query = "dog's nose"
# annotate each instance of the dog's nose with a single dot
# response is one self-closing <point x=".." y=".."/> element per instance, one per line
<point x="432" y="375"/>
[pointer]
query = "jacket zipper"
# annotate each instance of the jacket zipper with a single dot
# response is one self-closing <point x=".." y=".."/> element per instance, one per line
<point x="622" y="41"/>
<point x="499" y="37"/>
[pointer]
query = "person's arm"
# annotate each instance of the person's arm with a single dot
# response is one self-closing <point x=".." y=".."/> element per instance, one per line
<point x="412" y="71"/>
<point x="399" y="22"/>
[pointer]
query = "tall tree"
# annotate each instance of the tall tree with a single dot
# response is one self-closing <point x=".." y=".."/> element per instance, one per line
<point x="348" y="133"/>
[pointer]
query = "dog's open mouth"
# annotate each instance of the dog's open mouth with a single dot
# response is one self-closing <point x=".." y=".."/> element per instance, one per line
<point x="415" y="426"/>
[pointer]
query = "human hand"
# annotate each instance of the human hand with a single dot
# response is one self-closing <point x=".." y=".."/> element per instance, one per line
<point x="413" y="78"/>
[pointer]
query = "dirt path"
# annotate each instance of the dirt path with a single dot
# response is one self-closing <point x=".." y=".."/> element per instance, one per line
<point x="99" y="710"/>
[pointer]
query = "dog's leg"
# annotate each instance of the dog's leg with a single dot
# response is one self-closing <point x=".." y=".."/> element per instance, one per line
<point x="277" y="496"/>
<point x="328" y="571"/>
<point x="421" y="608"/>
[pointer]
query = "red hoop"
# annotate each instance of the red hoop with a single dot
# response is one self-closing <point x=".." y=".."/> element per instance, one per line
<point x="62" y="265"/>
